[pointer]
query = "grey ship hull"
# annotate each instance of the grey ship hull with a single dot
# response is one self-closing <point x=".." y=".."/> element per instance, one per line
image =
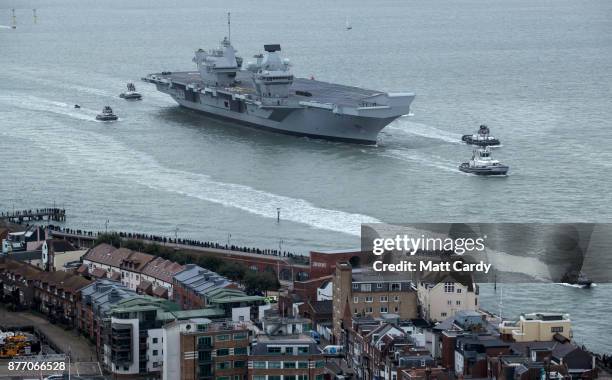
<point x="330" y="111"/>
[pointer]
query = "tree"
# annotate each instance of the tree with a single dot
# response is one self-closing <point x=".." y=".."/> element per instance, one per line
<point x="233" y="270"/>
<point x="135" y="245"/>
<point x="259" y="282"/>
<point x="109" y="238"/>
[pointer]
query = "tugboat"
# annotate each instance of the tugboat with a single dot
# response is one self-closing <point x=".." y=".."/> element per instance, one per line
<point x="131" y="93"/>
<point x="482" y="164"/>
<point x="577" y="278"/>
<point x="107" y="115"/>
<point x="77" y="106"/>
<point x="481" y="138"/>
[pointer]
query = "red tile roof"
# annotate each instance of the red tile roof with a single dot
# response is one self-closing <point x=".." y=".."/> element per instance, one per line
<point x="98" y="273"/>
<point x="135" y="261"/>
<point x="107" y="254"/>
<point x="162" y="269"/>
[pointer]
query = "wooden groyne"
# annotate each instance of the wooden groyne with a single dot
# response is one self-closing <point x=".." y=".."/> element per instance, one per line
<point x="50" y="214"/>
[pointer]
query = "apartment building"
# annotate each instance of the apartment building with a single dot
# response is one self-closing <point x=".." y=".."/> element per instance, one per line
<point x="537" y="327"/>
<point x="286" y="357"/>
<point x="157" y="276"/>
<point x="366" y="293"/>
<point x="104" y="261"/>
<point x="132" y="267"/>
<point x="442" y="294"/>
<point x="202" y="349"/>
<point x="55" y="294"/>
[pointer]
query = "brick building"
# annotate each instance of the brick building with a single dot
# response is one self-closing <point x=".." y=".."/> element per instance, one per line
<point x="286" y="358"/>
<point x="362" y="292"/>
<point x="200" y="349"/>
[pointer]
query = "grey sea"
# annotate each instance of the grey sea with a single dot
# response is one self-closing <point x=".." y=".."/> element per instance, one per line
<point x="538" y="72"/>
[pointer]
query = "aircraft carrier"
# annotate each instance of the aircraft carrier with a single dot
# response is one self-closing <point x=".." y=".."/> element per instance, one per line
<point x="265" y="94"/>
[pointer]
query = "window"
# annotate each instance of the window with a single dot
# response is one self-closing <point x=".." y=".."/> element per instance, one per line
<point x="274" y="365"/>
<point x="289" y="350"/>
<point x="366" y="287"/>
<point x="240" y="336"/>
<point x="239" y="364"/>
<point x="449" y="302"/>
<point x="205" y="341"/>
<point x="396" y="287"/>
<point x="396" y="309"/>
<point x="288" y="365"/>
<point x="274" y="350"/>
<point x="384" y="309"/>
<point x="355" y="299"/>
<point x="379" y="285"/>
<point x="384" y="299"/>
<point x="204" y="355"/>
<point x="154" y="340"/>
<point x="396" y="298"/>
<point x="443" y="314"/>
<point x="223" y="337"/>
<point x="458" y="303"/>
<point x="458" y="290"/>
<point x="223" y="352"/>
<point x="320" y="364"/>
<point x="369" y="299"/>
<point x="355" y="286"/>
<point x="201" y="327"/>
<point x="289" y="377"/>
<point x="155" y="352"/>
<point x="224" y="365"/>
<point x="302" y="364"/>
<point x="557" y="329"/>
<point x="302" y="349"/>
<point x="259" y="377"/>
<point x="270" y="377"/>
<point x="319" y="377"/>
<point x="449" y="287"/>
<point x="368" y="309"/>
<point x="222" y="378"/>
<point x="240" y="351"/>
<point x="259" y="365"/>
<point x="302" y="377"/>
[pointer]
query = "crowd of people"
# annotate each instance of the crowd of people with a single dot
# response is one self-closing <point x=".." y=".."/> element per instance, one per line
<point x="33" y="212"/>
<point x="187" y="242"/>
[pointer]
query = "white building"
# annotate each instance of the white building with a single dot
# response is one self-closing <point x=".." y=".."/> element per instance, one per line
<point x="442" y="294"/>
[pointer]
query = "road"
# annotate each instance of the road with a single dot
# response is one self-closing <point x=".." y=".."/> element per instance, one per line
<point x="65" y="340"/>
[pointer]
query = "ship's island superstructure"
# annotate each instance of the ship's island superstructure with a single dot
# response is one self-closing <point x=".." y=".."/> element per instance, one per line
<point x="265" y="94"/>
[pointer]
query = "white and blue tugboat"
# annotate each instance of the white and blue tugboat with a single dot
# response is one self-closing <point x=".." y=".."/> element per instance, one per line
<point x="107" y="115"/>
<point x="131" y="93"/>
<point x="481" y="138"/>
<point x="482" y="164"/>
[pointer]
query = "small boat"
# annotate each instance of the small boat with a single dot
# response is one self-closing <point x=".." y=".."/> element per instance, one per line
<point x="107" y="115"/>
<point x="131" y="93"/>
<point x="481" y="138"/>
<point x="348" y="24"/>
<point x="77" y="106"/>
<point x="482" y="164"/>
<point x="577" y="278"/>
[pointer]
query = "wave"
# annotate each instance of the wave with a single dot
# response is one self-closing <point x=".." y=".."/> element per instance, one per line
<point x="35" y="75"/>
<point x="425" y="130"/>
<point x="35" y="103"/>
<point x="423" y="159"/>
<point x="110" y="158"/>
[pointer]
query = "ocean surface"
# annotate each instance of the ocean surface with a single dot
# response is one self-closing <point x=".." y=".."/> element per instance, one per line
<point x="539" y="73"/>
